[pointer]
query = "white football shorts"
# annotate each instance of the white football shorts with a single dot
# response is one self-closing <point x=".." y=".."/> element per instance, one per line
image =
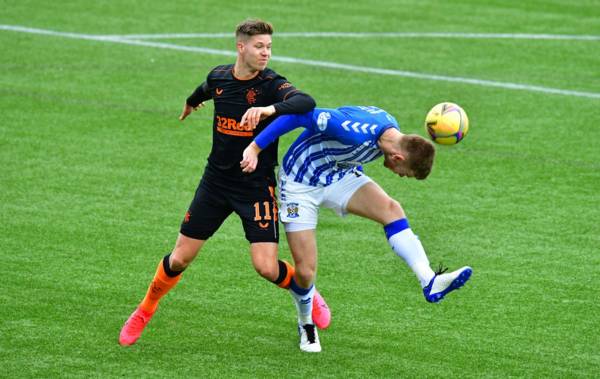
<point x="299" y="203"/>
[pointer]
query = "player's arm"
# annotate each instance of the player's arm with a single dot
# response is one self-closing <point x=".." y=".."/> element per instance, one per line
<point x="348" y="129"/>
<point x="195" y="100"/>
<point x="295" y="103"/>
<point x="282" y="125"/>
<point x="288" y="100"/>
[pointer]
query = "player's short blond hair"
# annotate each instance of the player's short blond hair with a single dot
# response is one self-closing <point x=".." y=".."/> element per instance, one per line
<point x="252" y="27"/>
<point x="420" y="154"/>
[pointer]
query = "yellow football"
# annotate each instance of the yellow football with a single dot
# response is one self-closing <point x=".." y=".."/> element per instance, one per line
<point x="447" y="123"/>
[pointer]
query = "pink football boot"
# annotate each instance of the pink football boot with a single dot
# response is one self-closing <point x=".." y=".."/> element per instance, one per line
<point x="321" y="314"/>
<point x="134" y="326"/>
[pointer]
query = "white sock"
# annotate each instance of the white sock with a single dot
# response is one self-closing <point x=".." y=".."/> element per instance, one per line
<point x="303" y="298"/>
<point x="407" y="246"/>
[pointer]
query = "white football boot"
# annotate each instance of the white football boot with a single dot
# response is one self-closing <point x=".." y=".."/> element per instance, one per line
<point x="442" y="284"/>
<point x="309" y="338"/>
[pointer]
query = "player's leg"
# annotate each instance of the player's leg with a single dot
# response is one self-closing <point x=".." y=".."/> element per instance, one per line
<point x="307" y="299"/>
<point x="281" y="273"/>
<point x="300" y="207"/>
<point x="169" y="271"/>
<point x="167" y="275"/>
<point x="264" y="260"/>
<point x="299" y="214"/>
<point x="372" y="202"/>
<point x="258" y="211"/>
<point x="263" y="227"/>
<point x="303" y="245"/>
<point x="266" y="263"/>
<point x="204" y="216"/>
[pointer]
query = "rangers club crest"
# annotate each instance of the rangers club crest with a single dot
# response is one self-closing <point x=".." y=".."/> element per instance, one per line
<point x="251" y="96"/>
<point x="292" y="210"/>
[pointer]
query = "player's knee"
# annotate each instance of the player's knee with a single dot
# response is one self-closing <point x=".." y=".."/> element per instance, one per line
<point x="179" y="261"/>
<point x="394" y="209"/>
<point x="305" y="275"/>
<point x="267" y="271"/>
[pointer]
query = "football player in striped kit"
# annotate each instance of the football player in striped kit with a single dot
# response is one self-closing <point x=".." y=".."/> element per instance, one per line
<point x="323" y="168"/>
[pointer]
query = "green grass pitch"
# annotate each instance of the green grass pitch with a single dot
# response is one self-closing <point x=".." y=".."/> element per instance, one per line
<point x="97" y="173"/>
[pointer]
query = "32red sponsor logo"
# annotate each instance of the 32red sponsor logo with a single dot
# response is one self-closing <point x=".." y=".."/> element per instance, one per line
<point x="231" y="126"/>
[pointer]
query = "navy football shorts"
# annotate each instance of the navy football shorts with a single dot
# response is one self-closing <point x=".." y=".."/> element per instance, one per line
<point x="216" y="199"/>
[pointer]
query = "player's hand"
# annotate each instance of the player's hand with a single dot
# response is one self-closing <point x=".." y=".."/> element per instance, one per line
<point x="250" y="158"/>
<point x="187" y="109"/>
<point x="255" y="114"/>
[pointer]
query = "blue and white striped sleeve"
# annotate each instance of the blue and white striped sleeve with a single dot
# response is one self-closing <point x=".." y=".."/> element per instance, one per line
<point x="349" y="129"/>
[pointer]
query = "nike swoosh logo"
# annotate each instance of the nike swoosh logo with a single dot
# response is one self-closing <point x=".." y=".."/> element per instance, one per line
<point x="219" y="91"/>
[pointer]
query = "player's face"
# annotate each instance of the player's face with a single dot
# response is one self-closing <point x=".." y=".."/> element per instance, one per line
<point x="256" y="51"/>
<point x="398" y="165"/>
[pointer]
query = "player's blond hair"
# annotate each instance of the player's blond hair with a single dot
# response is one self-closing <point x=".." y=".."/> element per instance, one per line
<point x="252" y="27"/>
<point x="420" y="154"/>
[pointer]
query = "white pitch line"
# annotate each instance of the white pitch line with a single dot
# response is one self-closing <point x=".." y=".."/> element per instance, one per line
<point x="176" y="36"/>
<point x="457" y="79"/>
<point x="524" y="36"/>
<point x="113" y="39"/>
<point x="312" y="63"/>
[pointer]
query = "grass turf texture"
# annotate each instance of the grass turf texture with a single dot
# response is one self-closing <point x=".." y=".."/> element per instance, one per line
<point x="97" y="173"/>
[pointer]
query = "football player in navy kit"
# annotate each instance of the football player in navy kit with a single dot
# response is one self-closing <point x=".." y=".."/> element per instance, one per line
<point x="247" y="96"/>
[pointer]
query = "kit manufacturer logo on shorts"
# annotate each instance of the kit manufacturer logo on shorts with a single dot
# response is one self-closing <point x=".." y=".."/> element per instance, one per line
<point x="292" y="210"/>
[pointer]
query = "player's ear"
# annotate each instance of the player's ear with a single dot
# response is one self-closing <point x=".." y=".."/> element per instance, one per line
<point x="399" y="157"/>
<point x="240" y="46"/>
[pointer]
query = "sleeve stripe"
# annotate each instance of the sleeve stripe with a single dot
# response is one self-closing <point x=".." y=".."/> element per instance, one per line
<point x="289" y="93"/>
